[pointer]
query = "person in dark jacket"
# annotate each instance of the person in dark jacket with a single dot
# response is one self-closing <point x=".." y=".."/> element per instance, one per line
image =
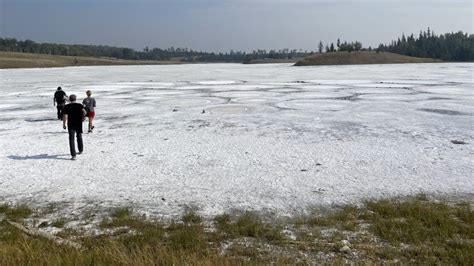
<point x="59" y="101"/>
<point x="73" y="115"/>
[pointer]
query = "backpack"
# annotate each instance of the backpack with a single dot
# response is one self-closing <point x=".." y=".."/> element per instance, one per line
<point x="59" y="97"/>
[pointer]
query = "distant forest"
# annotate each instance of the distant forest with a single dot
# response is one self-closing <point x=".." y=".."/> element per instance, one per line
<point x="448" y="47"/>
<point x="183" y="54"/>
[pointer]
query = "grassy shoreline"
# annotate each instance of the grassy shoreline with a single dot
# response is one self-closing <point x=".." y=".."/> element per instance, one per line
<point x="11" y="60"/>
<point x="26" y="60"/>
<point x="412" y="230"/>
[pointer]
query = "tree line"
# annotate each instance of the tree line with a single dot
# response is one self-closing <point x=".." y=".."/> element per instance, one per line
<point x="183" y="54"/>
<point x="457" y="46"/>
<point x="342" y="47"/>
<point x="448" y="47"/>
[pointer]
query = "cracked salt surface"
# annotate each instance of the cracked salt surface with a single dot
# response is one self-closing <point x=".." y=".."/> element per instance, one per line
<point x="271" y="138"/>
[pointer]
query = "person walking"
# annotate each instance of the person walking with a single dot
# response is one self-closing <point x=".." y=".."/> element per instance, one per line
<point x="89" y="104"/>
<point x="73" y="115"/>
<point x="59" y="100"/>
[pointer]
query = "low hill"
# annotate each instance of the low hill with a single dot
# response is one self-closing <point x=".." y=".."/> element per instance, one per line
<point x="272" y="61"/>
<point x="26" y="60"/>
<point x="360" y="57"/>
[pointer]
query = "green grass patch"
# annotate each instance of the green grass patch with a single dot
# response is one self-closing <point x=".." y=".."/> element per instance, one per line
<point x="247" y="225"/>
<point x="16" y="212"/>
<point x="191" y="217"/>
<point x="60" y="223"/>
<point x="416" y="222"/>
<point x="343" y="218"/>
<point x="131" y="229"/>
<point x="124" y="217"/>
<point x="432" y="232"/>
<point x="409" y="231"/>
<point x="186" y="237"/>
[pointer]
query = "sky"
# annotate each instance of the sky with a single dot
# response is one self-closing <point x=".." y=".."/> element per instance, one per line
<point x="222" y="25"/>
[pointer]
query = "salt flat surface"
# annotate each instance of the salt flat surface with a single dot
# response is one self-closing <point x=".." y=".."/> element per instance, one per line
<point x="272" y="137"/>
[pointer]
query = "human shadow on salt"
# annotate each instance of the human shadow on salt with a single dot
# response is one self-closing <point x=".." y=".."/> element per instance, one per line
<point x="43" y="156"/>
<point x="55" y="132"/>
<point x="113" y="118"/>
<point x="443" y="111"/>
<point x="40" y="119"/>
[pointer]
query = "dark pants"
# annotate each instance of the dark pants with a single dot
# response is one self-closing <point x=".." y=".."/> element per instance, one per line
<point x="60" y="111"/>
<point x="72" y="148"/>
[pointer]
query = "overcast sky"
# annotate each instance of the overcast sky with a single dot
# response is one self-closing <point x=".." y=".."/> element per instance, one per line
<point x="221" y="25"/>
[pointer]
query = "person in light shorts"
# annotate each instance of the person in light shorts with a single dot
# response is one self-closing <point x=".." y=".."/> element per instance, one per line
<point x="89" y="104"/>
